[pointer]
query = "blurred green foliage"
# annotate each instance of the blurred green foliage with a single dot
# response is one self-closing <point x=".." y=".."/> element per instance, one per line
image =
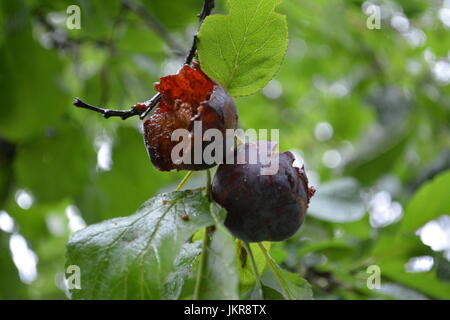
<point x="367" y="111"/>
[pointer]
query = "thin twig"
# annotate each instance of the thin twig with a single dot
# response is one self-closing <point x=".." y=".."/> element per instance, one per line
<point x="107" y="113"/>
<point x="208" y="6"/>
<point x="184" y="181"/>
<point x="150" y="104"/>
<point x="141" y="109"/>
<point x="144" y="108"/>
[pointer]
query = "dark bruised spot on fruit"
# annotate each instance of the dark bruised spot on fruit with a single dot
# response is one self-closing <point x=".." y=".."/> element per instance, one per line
<point x="262" y="207"/>
<point x="186" y="97"/>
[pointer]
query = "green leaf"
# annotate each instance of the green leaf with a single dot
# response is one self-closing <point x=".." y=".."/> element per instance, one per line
<point x="246" y="274"/>
<point x="183" y="269"/>
<point x="257" y="293"/>
<point x="431" y="201"/>
<point x="271" y="294"/>
<point x="220" y="279"/>
<point x="134" y="257"/>
<point x="290" y="285"/>
<point x="299" y="288"/>
<point x="244" y="50"/>
<point x="270" y="289"/>
<point x="338" y="201"/>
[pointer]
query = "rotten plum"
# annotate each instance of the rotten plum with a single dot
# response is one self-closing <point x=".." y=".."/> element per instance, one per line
<point x="262" y="207"/>
<point x="186" y="97"/>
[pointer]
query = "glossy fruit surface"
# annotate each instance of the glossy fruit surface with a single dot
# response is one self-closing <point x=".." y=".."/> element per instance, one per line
<point x="262" y="207"/>
<point x="186" y="97"/>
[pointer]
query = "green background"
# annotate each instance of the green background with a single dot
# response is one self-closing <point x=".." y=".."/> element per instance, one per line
<point x="367" y="111"/>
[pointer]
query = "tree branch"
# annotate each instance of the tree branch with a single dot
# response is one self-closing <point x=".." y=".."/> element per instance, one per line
<point x="208" y="6"/>
<point x="144" y="108"/>
<point x="107" y="113"/>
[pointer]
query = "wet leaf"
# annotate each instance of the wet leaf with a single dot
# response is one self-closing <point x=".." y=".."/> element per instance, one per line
<point x="134" y="257"/>
<point x="220" y="279"/>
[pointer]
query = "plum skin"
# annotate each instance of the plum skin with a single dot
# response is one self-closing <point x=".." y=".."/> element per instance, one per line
<point x="262" y="207"/>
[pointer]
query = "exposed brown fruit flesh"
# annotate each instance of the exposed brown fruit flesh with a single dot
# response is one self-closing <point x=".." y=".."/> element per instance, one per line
<point x="186" y="97"/>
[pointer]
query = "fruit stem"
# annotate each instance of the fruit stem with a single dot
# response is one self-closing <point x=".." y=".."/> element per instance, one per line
<point x="253" y="262"/>
<point x="202" y="264"/>
<point x="276" y="272"/>
<point x="184" y="181"/>
<point x="208" y="185"/>
<point x="206" y="242"/>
